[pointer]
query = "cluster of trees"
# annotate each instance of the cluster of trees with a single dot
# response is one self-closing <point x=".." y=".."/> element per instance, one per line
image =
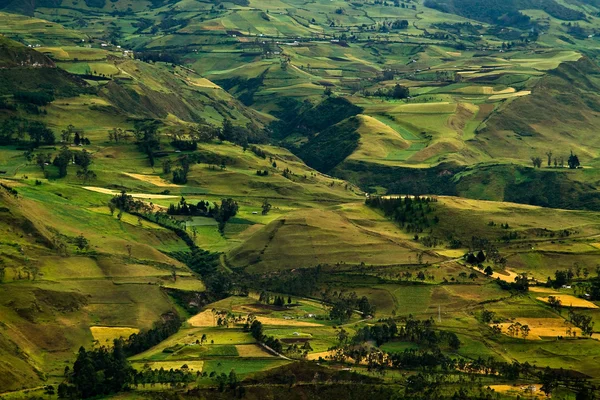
<point x="414" y="330"/>
<point x="573" y="161"/>
<point x="103" y="371"/>
<point x="257" y="331"/>
<point x="25" y="132"/>
<point x="380" y="333"/>
<point x="168" y="325"/>
<point x="147" y="137"/>
<point x="434" y="363"/>
<point x="260" y="153"/>
<point x="279" y="301"/>
<point x="221" y="213"/>
<point x="126" y="203"/>
<point x="117" y="135"/>
<point x="411" y="213"/>
<point x="206" y="264"/>
<point x="476" y="259"/>
<point x="561" y="278"/>
<point x="397" y="92"/>
<point x="37" y="98"/>
<point x="201" y="209"/>
<point x="64" y="158"/>
<point x="345" y="305"/>
<point x="582" y="321"/>
<point x="520" y="285"/>
<point x="97" y="372"/>
<point x="73" y="135"/>
<point x="180" y="174"/>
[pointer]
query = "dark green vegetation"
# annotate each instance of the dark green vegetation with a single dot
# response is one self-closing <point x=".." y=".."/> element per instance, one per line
<point x="189" y="178"/>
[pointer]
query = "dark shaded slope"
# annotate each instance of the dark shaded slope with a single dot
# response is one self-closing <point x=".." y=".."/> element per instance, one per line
<point x="504" y="12"/>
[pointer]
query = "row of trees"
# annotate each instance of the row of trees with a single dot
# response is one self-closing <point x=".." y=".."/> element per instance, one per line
<point x="257" y="331"/>
<point x="573" y="161"/>
<point x="268" y="298"/>
<point x="413" y="330"/>
<point x="21" y="131"/>
<point x="396" y="92"/>
<point x="221" y="213"/>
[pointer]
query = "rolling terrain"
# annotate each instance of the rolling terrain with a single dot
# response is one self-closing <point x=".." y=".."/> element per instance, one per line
<point x="325" y="199"/>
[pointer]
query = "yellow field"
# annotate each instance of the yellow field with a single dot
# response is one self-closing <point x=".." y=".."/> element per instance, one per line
<point x="451" y="253"/>
<point x="203" y="82"/>
<point x="284" y="322"/>
<point x="570" y="301"/>
<point x="134" y="195"/>
<point x="510" y="95"/>
<point x="520" y="389"/>
<point x="543" y="327"/>
<point x="506" y="276"/>
<point x="167" y="365"/>
<point x="251" y="350"/>
<point x="539" y="289"/>
<point x="485" y="90"/>
<point x="106" y="334"/>
<point x="153" y="179"/>
<point x="203" y="319"/>
<point x="322" y="354"/>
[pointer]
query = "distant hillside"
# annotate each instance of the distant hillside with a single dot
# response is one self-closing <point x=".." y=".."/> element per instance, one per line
<point x="14" y="54"/>
<point x="529" y="125"/>
<point x="504" y="12"/>
<point x="27" y="6"/>
<point x="25" y="70"/>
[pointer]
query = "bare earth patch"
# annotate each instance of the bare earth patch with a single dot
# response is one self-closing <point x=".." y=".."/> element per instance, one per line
<point x="203" y="319"/>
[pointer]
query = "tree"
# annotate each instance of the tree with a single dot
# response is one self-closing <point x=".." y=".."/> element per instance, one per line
<point x="41" y="159"/>
<point x="256" y="330"/>
<point x="400" y="92"/>
<point x="227" y="130"/>
<point x="39" y="133"/>
<point x="536" y="161"/>
<point x="266" y="207"/>
<point x="233" y="380"/>
<point x="67" y="133"/>
<point x="573" y="161"/>
<point x="115" y="134"/>
<point x="147" y="138"/>
<point x="481" y="257"/>
<point x="554" y="302"/>
<point x="549" y="155"/>
<point x="225" y="212"/>
<point x="167" y="166"/>
<point x="81" y="243"/>
<point x="62" y="161"/>
<point x="328" y="92"/>
<point x="488" y="271"/>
